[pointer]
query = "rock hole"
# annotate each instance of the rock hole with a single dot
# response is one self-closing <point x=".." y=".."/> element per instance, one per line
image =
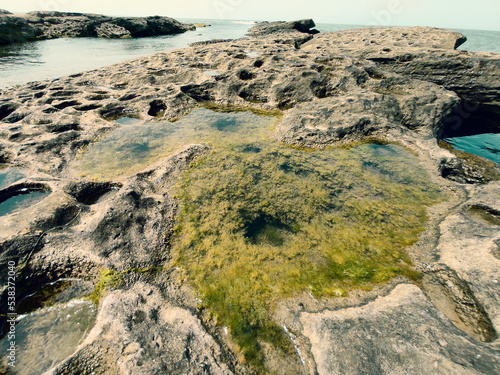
<point x="127" y="97"/>
<point x="245" y="75"/>
<point x="258" y="63"/>
<point x="90" y="193"/>
<point x="157" y="108"/>
<point x="7" y="109"/>
<point x="87" y="107"/>
<point x="487" y="214"/>
<point x="266" y="230"/>
<point x="67" y="103"/>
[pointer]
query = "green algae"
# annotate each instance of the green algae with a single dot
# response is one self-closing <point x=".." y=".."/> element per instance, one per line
<point x="260" y="222"/>
<point x="131" y="148"/>
<point x="108" y="279"/>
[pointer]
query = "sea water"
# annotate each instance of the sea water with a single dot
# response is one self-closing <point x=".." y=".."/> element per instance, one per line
<point x="485" y="145"/>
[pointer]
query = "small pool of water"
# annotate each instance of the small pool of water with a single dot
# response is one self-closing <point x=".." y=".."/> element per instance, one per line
<point x="47" y="336"/>
<point x="21" y="201"/>
<point x="133" y="147"/>
<point x="485" y="145"/>
<point x="10" y="175"/>
<point x="127" y="120"/>
<point x="56" y="292"/>
<point x="212" y="73"/>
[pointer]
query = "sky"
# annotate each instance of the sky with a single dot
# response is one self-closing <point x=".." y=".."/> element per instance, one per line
<point x="461" y="14"/>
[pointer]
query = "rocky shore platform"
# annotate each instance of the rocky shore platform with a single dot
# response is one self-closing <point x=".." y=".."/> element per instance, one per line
<point x="405" y="86"/>
<point x="39" y="25"/>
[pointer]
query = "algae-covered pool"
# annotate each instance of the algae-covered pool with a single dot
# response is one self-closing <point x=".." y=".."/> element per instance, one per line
<point x="136" y="145"/>
<point x="259" y="221"/>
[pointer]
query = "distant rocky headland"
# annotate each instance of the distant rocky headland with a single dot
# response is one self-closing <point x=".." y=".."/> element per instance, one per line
<point x="39" y="25"/>
<point x="282" y="203"/>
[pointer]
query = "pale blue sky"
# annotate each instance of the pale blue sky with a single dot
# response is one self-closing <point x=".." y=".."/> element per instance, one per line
<point x="477" y="14"/>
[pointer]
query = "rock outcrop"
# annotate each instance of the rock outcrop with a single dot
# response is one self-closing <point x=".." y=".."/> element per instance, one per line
<point x="335" y="89"/>
<point x="15" y="29"/>
<point x="265" y="28"/>
<point x="48" y="25"/>
<point x="472" y="76"/>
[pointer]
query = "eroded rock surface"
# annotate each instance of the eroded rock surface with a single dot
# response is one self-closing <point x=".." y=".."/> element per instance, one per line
<point x="333" y="89"/>
<point x="473" y="76"/>
<point x="399" y="333"/>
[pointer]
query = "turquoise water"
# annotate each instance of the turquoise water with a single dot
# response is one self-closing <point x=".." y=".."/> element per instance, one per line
<point x="10" y="175"/>
<point x="21" y="201"/>
<point x="485" y="145"/>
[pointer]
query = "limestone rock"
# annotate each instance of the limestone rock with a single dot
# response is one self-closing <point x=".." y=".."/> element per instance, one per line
<point x="16" y="29"/>
<point x="108" y="30"/>
<point x="48" y="25"/>
<point x="143" y="333"/>
<point x="393" y="104"/>
<point x="265" y="28"/>
<point x="429" y="54"/>
<point x="399" y="333"/>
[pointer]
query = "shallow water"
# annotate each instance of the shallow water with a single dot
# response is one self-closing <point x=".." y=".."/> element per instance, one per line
<point x="485" y="145"/>
<point x="21" y="201"/>
<point x="10" y="175"/>
<point x="49" y="335"/>
<point x="127" y="120"/>
<point x="133" y="147"/>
